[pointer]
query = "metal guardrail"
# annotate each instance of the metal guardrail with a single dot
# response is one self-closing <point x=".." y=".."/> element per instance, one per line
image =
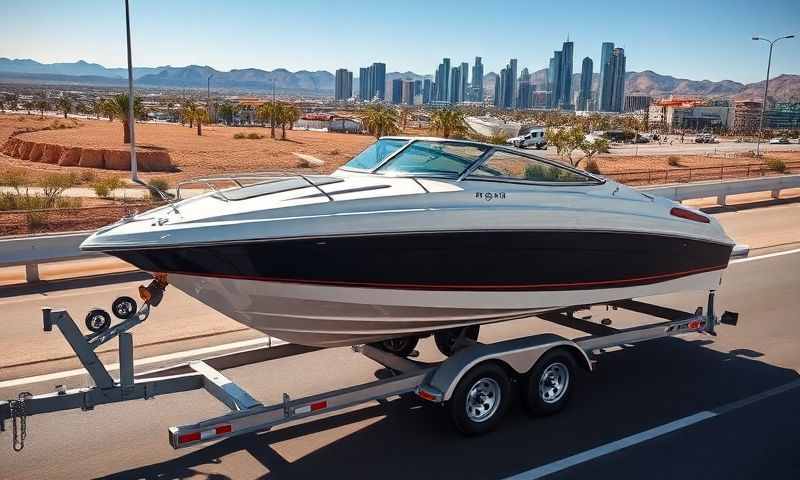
<point x="36" y="249"/>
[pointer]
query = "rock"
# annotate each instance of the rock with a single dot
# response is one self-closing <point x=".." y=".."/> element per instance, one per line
<point x="36" y="152"/>
<point x="70" y="157"/>
<point x="117" y="159"/>
<point x="51" y="153"/>
<point x="158" y="161"/>
<point x="25" y="150"/>
<point x="308" y="161"/>
<point x="10" y="146"/>
<point x="91" y="158"/>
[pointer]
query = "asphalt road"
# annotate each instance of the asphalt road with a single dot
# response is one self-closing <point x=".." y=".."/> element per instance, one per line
<point x="633" y="390"/>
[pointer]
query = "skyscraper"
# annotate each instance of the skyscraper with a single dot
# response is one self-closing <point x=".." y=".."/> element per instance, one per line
<point x="616" y="69"/>
<point x="604" y="89"/>
<point x="427" y="91"/>
<point x="344" y="85"/>
<point x="464" y="81"/>
<point x="499" y="89"/>
<point x="512" y="65"/>
<point x="477" y="81"/>
<point x="408" y="92"/>
<point x="525" y="89"/>
<point x="372" y="82"/>
<point x="397" y="91"/>
<point x="379" y="79"/>
<point x="586" y="85"/>
<point x="565" y="89"/>
<point x="363" y="84"/>
<point x="455" y="85"/>
<point x="556" y="78"/>
<point x="443" y="81"/>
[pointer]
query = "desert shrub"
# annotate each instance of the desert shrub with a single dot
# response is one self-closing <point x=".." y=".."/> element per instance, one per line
<point x="239" y="135"/>
<point x="776" y="164"/>
<point x="105" y="187"/>
<point x="55" y="184"/>
<point x="674" y="161"/>
<point x="335" y="151"/>
<point x="87" y="176"/>
<point x="160" y="184"/>
<point x="254" y="136"/>
<point x="68" y="202"/>
<point x="592" y="167"/>
<point x="36" y="220"/>
<point x="22" y="201"/>
<point x="497" y="139"/>
<point x="14" y="178"/>
<point x="542" y="173"/>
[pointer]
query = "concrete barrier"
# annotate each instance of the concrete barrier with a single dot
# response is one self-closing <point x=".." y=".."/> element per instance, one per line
<point x="35" y="249"/>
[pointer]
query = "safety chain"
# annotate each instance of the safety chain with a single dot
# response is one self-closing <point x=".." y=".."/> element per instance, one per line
<point x="18" y="412"/>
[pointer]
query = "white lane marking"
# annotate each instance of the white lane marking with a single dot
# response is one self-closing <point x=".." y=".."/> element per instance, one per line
<point x="769" y="255"/>
<point x="144" y="361"/>
<point x="626" y="442"/>
<point x="646" y="435"/>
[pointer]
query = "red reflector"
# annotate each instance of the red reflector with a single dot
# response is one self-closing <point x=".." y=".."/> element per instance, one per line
<point x="426" y="395"/>
<point x="695" y="324"/>
<point x="222" y="429"/>
<point x="688" y="215"/>
<point x="319" y="405"/>
<point x="189" y="437"/>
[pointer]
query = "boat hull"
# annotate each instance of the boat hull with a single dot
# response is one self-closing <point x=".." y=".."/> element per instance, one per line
<point x="332" y="291"/>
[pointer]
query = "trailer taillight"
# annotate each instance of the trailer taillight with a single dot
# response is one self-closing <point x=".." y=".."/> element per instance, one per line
<point x="205" y="434"/>
<point x="688" y="215"/>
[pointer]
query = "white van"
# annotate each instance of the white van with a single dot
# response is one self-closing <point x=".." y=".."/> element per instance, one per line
<point x="533" y="138"/>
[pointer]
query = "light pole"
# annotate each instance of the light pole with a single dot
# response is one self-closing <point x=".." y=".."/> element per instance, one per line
<point x="208" y="95"/>
<point x="131" y="117"/>
<point x="766" y="87"/>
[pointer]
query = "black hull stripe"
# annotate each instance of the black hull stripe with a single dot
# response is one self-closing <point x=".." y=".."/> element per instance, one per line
<point x="637" y="281"/>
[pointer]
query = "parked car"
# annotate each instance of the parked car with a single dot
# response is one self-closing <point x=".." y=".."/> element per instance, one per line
<point x="705" y="138"/>
<point x="779" y="141"/>
<point x="533" y="138"/>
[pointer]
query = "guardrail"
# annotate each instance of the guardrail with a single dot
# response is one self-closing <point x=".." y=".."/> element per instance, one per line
<point x="36" y="249"/>
<point x="690" y="174"/>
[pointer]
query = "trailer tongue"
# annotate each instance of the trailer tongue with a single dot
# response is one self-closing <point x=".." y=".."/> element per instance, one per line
<point x="473" y="383"/>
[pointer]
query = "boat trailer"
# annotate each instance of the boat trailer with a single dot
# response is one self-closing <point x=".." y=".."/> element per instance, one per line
<point x="470" y="381"/>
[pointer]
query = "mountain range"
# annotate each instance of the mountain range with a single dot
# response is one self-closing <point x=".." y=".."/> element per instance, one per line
<point x="782" y="88"/>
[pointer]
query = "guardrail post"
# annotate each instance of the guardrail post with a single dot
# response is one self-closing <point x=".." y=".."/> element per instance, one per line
<point x="776" y="193"/>
<point x="31" y="272"/>
<point x="721" y="199"/>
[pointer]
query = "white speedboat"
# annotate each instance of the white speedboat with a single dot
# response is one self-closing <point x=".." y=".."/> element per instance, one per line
<point x="415" y="235"/>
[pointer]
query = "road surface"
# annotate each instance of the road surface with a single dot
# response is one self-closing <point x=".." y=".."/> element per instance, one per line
<point x="693" y="407"/>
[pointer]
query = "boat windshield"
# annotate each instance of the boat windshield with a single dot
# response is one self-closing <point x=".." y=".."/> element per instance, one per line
<point x="434" y="158"/>
<point x="505" y="165"/>
<point x="375" y="154"/>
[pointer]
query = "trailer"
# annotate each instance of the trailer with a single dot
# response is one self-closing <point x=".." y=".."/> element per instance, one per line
<point x="473" y="385"/>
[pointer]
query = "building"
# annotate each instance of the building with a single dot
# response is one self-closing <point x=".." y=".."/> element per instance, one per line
<point x="344" y="85"/>
<point x="556" y="78"/>
<point x="372" y="82"/>
<point x="408" y="92"/>
<point x="615" y="73"/>
<point x="442" y="79"/>
<point x="476" y="89"/>
<point x="512" y="65"/>
<point x="635" y="103"/>
<point x="585" y="94"/>
<point x="397" y="91"/>
<point x="701" y="118"/>
<point x="746" y="116"/>
<point x="427" y="91"/>
<point x="785" y="116"/>
<point x="526" y="89"/>
<point x="456" y="93"/>
<point x="565" y="102"/>
<point x="604" y="89"/>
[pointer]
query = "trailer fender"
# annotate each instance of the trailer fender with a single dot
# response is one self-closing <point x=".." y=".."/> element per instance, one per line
<point x="520" y="355"/>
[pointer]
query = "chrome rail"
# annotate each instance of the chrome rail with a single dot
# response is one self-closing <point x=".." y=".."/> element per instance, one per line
<point x="238" y="178"/>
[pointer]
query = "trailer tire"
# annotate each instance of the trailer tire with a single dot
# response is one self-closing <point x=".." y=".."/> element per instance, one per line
<point x="480" y="399"/>
<point x="97" y="320"/>
<point x="400" y="346"/>
<point x="446" y="339"/>
<point x="547" y="387"/>
<point x="124" y="307"/>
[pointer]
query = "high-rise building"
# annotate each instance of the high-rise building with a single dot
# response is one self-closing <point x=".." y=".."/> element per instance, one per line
<point x="499" y="88"/>
<point x="526" y="89"/>
<point x="363" y="84"/>
<point x="397" y="91"/>
<point x="585" y="94"/>
<point x="604" y="89"/>
<point x="344" y="85"/>
<point x="379" y="79"/>
<point x="372" y="82"/>
<point x="477" y="81"/>
<point x="408" y="92"/>
<point x="616" y="71"/>
<point x="427" y="91"/>
<point x="565" y="89"/>
<point x="556" y="78"/>
<point x="464" y="81"/>
<point x="512" y="65"/>
<point x="443" y="81"/>
<point x="455" y="85"/>
<point x="635" y="103"/>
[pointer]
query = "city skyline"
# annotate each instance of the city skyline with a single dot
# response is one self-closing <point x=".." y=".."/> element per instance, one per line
<point x="711" y="43"/>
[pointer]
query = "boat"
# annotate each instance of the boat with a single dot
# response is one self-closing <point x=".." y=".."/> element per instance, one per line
<point x="418" y="235"/>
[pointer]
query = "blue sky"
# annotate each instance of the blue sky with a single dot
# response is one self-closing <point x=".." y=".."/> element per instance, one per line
<point x="698" y="39"/>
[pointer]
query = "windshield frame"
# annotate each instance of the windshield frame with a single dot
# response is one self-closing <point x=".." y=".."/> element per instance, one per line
<point x="466" y="173"/>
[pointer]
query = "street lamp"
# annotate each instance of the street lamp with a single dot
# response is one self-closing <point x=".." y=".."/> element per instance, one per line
<point x="208" y="95"/>
<point x="766" y="86"/>
<point x="131" y="117"/>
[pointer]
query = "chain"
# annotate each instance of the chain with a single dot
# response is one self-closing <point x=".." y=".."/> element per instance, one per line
<point x="18" y="412"/>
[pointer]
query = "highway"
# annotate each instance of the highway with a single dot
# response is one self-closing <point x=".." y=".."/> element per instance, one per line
<point x="695" y="406"/>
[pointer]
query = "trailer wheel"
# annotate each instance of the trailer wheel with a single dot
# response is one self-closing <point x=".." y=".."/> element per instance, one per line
<point x="123" y="307"/>
<point x="98" y="320"/>
<point x="446" y="339"/>
<point x="401" y="346"/>
<point x="547" y="387"/>
<point x="481" y="399"/>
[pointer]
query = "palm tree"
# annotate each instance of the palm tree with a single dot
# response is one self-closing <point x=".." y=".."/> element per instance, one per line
<point x="293" y="114"/>
<point x="28" y="105"/>
<point x="98" y="108"/>
<point x="380" y="120"/>
<point x="42" y="104"/>
<point x="199" y="116"/>
<point x="269" y="113"/>
<point x="64" y="104"/>
<point x="448" y="121"/>
<point x="188" y="112"/>
<point x="117" y="106"/>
